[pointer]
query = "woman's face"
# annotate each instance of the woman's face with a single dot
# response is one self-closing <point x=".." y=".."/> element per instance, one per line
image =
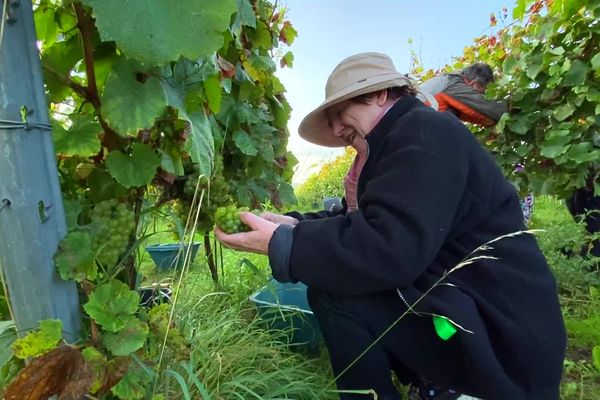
<point x="349" y="118"/>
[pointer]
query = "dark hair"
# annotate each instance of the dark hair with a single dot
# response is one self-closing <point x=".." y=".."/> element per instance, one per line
<point x="480" y="72"/>
<point x="393" y="93"/>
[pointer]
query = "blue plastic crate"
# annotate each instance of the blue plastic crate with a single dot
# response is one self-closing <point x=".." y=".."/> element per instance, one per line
<point x="284" y="307"/>
<point x="168" y="256"/>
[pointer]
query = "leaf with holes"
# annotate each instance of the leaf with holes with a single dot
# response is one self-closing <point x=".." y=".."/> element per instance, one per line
<point x="112" y="305"/>
<point x="135" y="169"/>
<point x="131" y="100"/>
<point x="163" y="33"/>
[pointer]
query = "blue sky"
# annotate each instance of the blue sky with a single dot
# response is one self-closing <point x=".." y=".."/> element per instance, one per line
<point x="330" y="30"/>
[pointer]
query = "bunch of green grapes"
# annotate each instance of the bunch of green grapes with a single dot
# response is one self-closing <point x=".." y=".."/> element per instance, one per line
<point x="112" y="224"/>
<point x="228" y="219"/>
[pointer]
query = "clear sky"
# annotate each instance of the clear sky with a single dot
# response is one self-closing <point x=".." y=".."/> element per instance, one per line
<point x="330" y="30"/>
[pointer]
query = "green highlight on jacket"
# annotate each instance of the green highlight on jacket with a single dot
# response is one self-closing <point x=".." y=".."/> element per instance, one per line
<point x="444" y="328"/>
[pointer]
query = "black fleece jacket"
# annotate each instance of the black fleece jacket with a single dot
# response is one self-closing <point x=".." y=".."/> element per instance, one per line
<point x="429" y="195"/>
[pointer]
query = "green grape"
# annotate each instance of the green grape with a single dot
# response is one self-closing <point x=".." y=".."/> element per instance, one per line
<point x="228" y="219"/>
<point x="112" y="225"/>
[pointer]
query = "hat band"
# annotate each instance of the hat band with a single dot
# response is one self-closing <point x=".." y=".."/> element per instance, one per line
<point x="378" y="79"/>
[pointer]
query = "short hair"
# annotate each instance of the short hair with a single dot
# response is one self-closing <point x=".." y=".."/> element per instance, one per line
<point x="393" y="93"/>
<point x="480" y="72"/>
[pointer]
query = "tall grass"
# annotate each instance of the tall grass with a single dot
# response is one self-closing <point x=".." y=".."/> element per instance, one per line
<point x="233" y="357"/>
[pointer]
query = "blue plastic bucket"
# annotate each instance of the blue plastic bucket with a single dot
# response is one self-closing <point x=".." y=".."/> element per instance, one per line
<point x="284" y="307"/>
<point x="167" y="255"/>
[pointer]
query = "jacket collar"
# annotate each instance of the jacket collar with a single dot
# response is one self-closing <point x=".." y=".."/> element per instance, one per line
<point x="384" y="127"/>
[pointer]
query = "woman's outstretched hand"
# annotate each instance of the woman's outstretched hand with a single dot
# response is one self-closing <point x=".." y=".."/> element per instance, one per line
<point x="254" y="241"/>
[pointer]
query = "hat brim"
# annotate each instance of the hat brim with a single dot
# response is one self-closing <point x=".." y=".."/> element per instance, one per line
<point x="315" y="127"/>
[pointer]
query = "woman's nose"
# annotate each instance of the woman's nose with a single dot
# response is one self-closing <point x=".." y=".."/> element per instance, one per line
<point x="337" y="127"/>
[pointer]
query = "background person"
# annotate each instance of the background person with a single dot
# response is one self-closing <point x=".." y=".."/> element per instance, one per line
<point x="462" y="94"/>
<point x="421" y="196"/>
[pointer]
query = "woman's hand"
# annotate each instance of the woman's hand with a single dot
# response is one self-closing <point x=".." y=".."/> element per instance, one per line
<point x="255" y="241"/>
<point x="279" y="219"/>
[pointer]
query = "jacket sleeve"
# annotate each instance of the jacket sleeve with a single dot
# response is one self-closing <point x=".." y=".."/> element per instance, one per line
<point x="319" y="214"/>
<point x="470" y="104"/>
<point x="404" y="217"/>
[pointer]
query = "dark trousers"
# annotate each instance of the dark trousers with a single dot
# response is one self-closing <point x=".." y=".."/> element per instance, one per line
<point x="350" y="324"/>
<point x="583" y="205"/>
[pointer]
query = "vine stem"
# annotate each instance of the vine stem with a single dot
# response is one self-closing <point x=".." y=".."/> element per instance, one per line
<point x="85" y="23"/>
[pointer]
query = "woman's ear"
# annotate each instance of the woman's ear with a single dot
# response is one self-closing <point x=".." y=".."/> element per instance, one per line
<point x="381" y="97"/>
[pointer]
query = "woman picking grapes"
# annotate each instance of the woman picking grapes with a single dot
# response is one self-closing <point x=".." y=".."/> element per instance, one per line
<point x="421" y="196"/>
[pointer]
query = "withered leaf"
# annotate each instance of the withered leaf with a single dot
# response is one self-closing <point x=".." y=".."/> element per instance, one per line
<point x="62" y="372"/>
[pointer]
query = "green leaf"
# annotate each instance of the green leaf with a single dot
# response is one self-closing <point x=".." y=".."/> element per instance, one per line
<point x="171" y="163"/>
<point x="564" y="111"/>
<point x="288" y="59"/>
<point x="112" y="304"/>
<point x="555" y="146"/>
<point x="576" y="74"/>
<point x="75" y="258"/>
<point x="261" y="36"/>
<point x="212" y="88"/>
<point x="128" y="339"/>
<point x="246" y="13"/>
<point x="81" y="139"/>
<point x="244" y="142"/>
<point x="535" y="64"/>
<point x="286" y="194"/>
<point x="519" y="10"/>
<point x="96" y="361"/>
<point x="135" y="169"/>
<point x="156" y="32"/>
<point x="288" y="33"/>
<point x="596" y="62"/>
<point x="582" y="152"/>
<point x="72" y="210"/>
<point x="8" y="334"/>
<point x="200" y="144"/>
<point x="509" y="64"/>
<point x="105" y="187"/>
<point x="39" y="341"/>
<point x="129" y="105"/>
<point x="596" y="357"/>
<point x="133" y="384"/>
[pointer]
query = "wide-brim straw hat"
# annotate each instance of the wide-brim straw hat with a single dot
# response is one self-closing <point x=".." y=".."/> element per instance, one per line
<point x="356" y="75"/>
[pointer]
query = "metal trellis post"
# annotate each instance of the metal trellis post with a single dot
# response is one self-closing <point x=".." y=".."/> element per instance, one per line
<point x="32" y="219"/>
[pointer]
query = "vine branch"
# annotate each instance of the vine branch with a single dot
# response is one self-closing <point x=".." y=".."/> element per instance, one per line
<point x="85" y="25"/>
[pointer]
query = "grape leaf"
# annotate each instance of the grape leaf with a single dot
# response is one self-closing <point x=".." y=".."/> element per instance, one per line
<point x="133" y="384"/>
<point x="246" y="13"/>
<point x="97" y="363"/>
<point x="244" y="142"/>
<point x="129" y="105"/>
<point x="156" y="32"/>
<point x="212" y="88"/>
<point x="564" y="111"/>
<point x="136" y="169"/>
<point x="39" y="341"/>
<point x="75" y="257"/>
<point x="200" y="143"/>
<point x="576" y="75"/>
<point x="112" y="305"/>
<point x="82" y="138"/>
<point x="260" y="36"/>
<point x="128" y="339"/>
